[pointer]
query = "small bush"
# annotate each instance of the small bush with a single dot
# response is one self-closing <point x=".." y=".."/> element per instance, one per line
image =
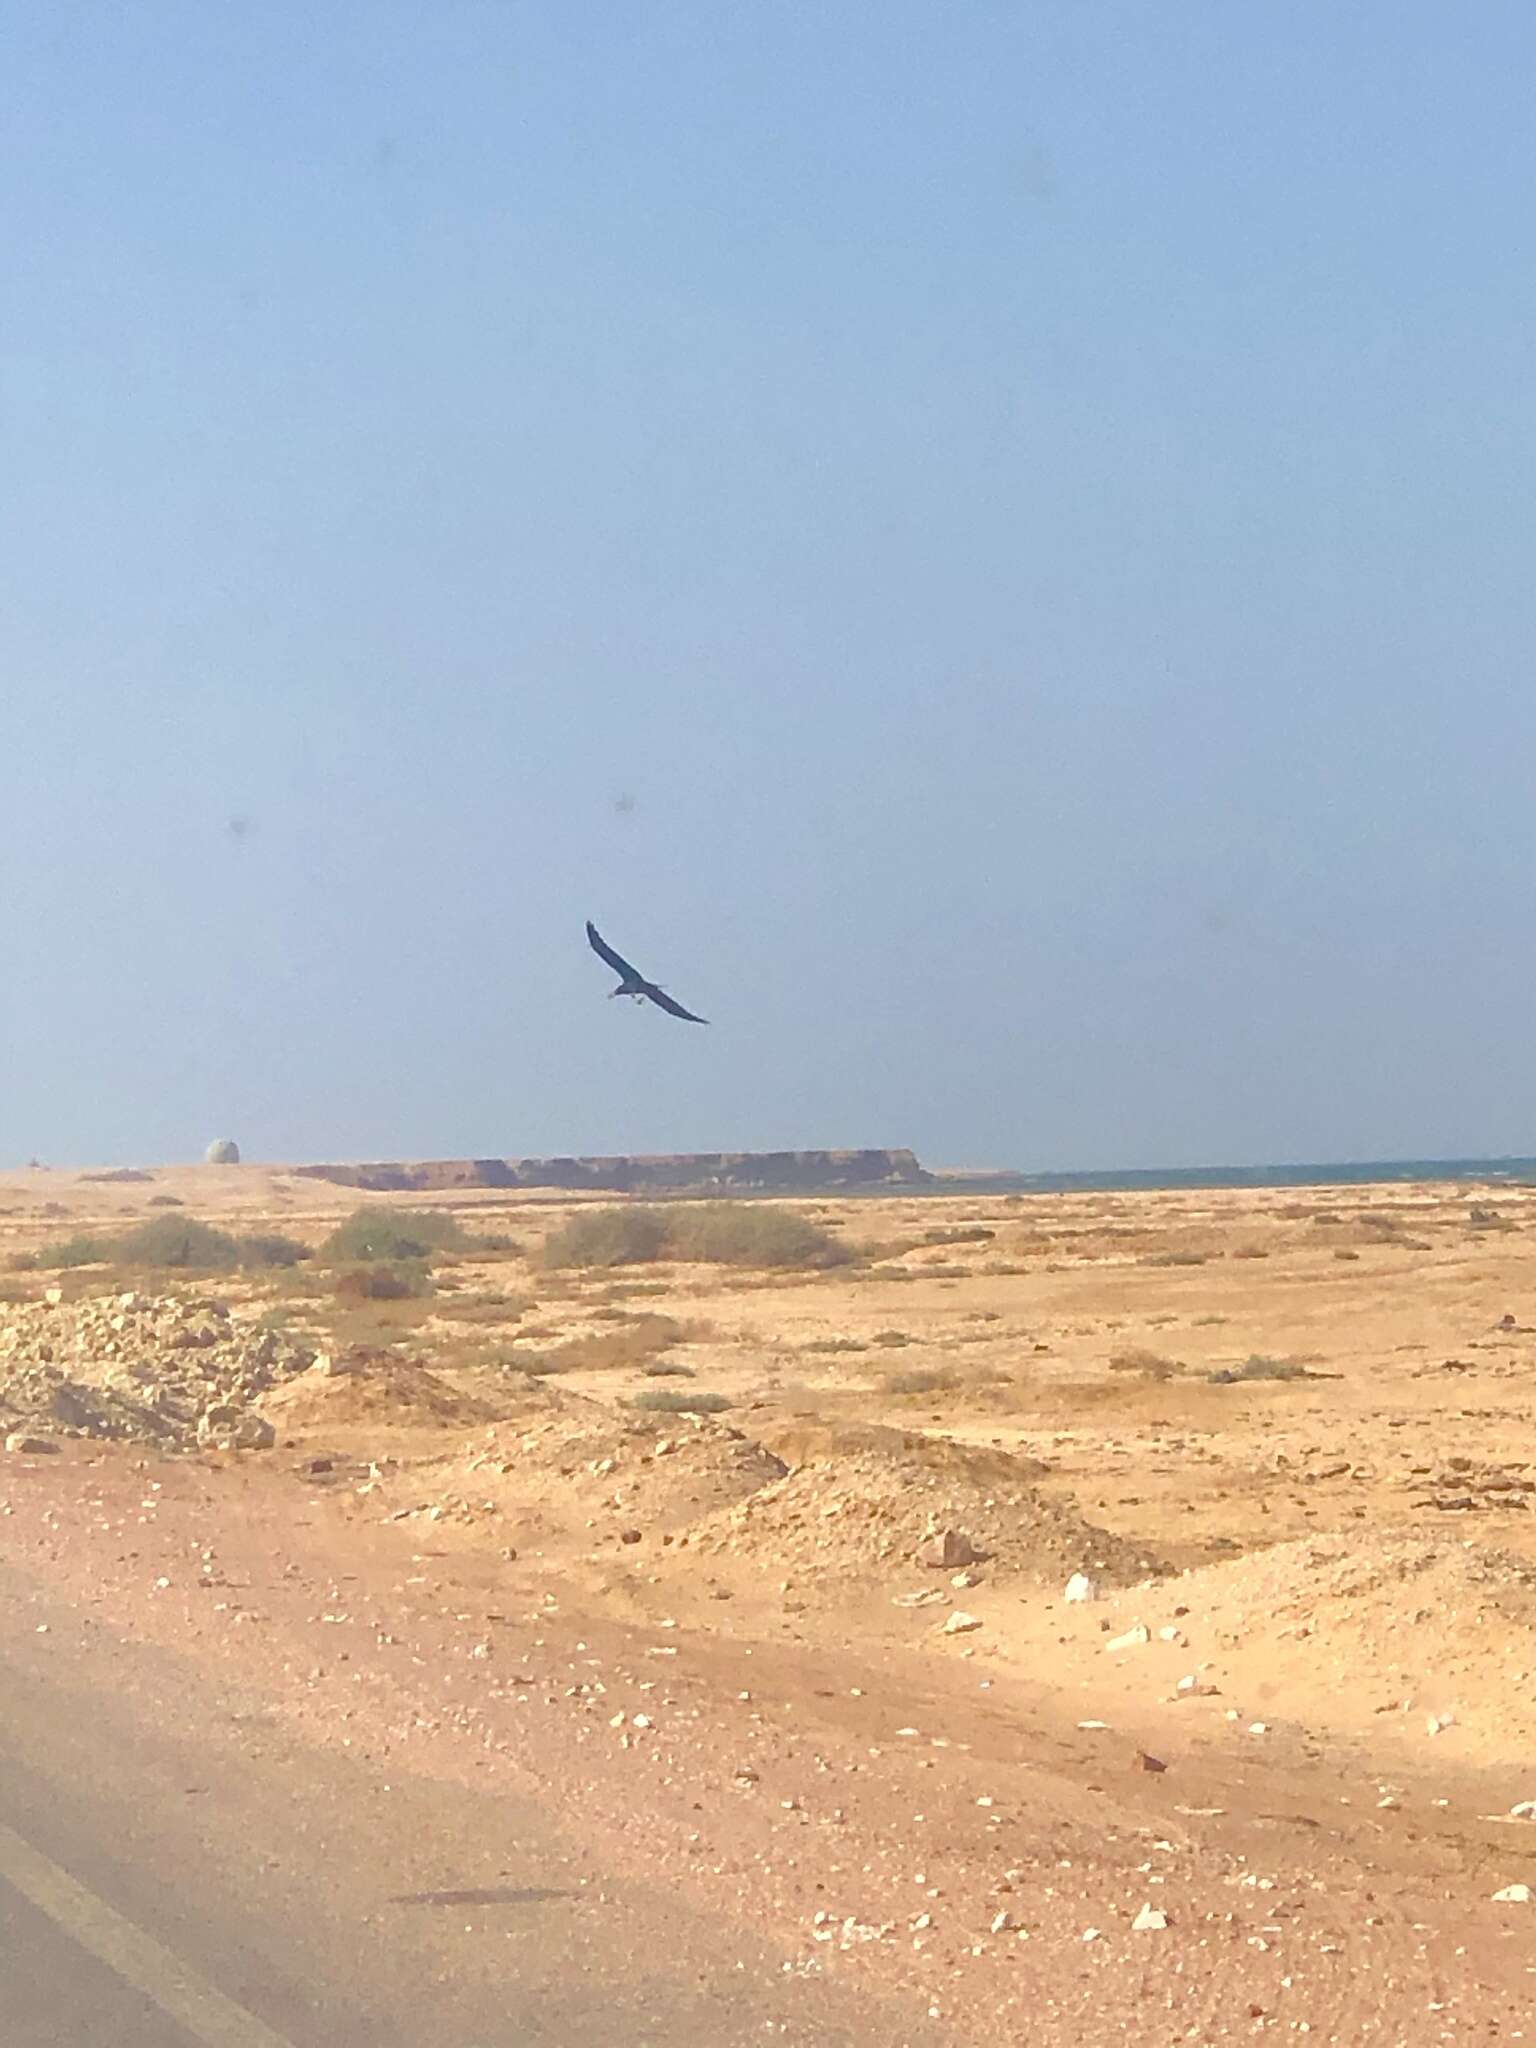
<point x="72" y="1251"/>
<point x="1152" y="1364"/>
<point x="828" y="1344"/>
<point x="1249" y="1251"/>
<point x="1176" y="1259"/>
<point x="180" y="1242"/>
<point x="608" y="1237"/>
<point x="890" y="1340"/>
<point x="1349" y="1257"/>
<point x="533" y="1365"/>
<point x="663" y="1401"/>
<point x="960" y="1234"/>
<point x="271" y="1248"/>
<point x="1259" y="1367"/>
<point x="630" y="1343"/>
<point x="383" y="1283"/>
<point x="165" y="1202"/>
<point x="667" y="1369"/>
<point x="706" y="1233"/>
<point x="936" y="1380"/>
<point x="378" y="1233"/>
<point x="751" y="1234"/>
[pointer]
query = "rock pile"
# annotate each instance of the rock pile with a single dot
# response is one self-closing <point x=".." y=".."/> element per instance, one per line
<point x="168" y="1369"/>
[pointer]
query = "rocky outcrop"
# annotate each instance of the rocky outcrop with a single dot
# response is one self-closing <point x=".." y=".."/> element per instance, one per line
<point x="780" y="1173"/>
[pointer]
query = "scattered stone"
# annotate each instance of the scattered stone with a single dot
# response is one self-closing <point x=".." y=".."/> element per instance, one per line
<point x="1131" y="1640"/>
<point x="629" y="1535"/>
<point x="1145" y="1761"/>
<point x="960" y="1623"/>
<point x="1524" y="1809"/>
<point x="1150" y="1920"/>
<point x="947" y="1549"/>
<point x="1513" y="1895"/>
<point x="21" y="1445"/>
<point x="227" y="1428"/>
<point x="1081" y="1587"/>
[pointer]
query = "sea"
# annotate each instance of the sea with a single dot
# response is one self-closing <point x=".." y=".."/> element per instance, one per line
<point x="1338" y="1173"/>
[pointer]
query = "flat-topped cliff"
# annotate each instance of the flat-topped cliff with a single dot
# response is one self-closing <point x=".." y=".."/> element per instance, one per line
<point x="783" y="1173"/>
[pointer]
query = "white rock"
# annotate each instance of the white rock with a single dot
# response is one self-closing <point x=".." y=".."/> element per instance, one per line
<point x="1081" y="1587"/>
<point x="1150" y="1920"/>
<point x="1170" y="1634"/>
<point x="1131" y="1640"/>
<point x="960" y="1623"/>
<point x="1514" y="1895"/>
<point x="1002" y="1922"/>
<point x="1524" y="1809"/>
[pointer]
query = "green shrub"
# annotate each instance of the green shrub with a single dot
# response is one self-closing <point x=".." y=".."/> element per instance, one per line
<point x="705" y="1233"/>
<point x="383" y="1283"/>
<point x="379" y="1233"/>
<point x="180" y="1242"/>
<point x="271" y="1248"/>
<point x="629" y="1236"/>
<point x="666" y="1401"/>
<point x="73" y="1251"/>
<point x="750" y="1234"/>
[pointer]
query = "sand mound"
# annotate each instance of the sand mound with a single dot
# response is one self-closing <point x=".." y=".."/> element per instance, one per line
<point x="869" y="1500"/>
<point x="381" y="1388"/>
<point x="655" y="1472"/>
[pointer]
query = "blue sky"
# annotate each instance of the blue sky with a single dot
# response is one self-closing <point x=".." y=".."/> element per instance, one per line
<point x="988" y="546"/>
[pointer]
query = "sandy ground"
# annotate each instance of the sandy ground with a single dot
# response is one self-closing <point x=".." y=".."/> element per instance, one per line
<point x="1286" y="1434"/>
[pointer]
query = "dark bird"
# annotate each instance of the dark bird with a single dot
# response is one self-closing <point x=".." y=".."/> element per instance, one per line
<point x="633" y="983"/>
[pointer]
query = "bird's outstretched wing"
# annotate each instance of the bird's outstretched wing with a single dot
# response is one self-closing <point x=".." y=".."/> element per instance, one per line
<point x="604" y="951"/>
<point x="660" y="997"/>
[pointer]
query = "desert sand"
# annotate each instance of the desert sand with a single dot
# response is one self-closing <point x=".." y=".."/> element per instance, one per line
<point x="812" y="1530"/>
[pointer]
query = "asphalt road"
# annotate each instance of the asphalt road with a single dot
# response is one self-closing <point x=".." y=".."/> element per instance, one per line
<point x="178" y="1871"/>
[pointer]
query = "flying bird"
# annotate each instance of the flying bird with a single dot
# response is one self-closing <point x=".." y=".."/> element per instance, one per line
<point x="633" y="982"/>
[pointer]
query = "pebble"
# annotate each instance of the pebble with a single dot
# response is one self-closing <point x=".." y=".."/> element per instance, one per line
<point x="1131" y="1640"/>
<point x="960" y="1623"/>
<point x="1514" y="1895"/>
<point x="1081" y="1587"/>
<point x="21" y="1445"/>
<point x="1150" y="1920"/>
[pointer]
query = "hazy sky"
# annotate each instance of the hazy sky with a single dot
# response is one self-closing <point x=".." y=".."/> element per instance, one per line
<point x="989" y="546"/>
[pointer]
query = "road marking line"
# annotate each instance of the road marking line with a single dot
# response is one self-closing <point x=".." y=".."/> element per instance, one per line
<point x="136" y="1956"/>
